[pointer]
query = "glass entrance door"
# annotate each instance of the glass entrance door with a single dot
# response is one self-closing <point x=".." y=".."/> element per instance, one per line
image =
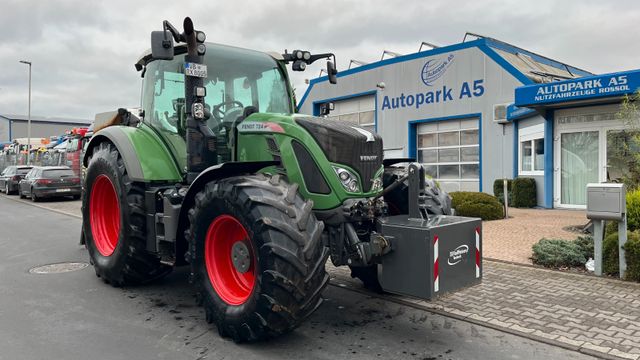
<point x="579" y="165"/>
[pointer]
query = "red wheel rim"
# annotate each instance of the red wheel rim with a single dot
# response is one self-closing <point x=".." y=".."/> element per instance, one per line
<point x="104" y="209"/>
<point x="233" y="286"/>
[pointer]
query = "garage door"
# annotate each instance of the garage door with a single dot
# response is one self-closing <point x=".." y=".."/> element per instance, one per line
<point x="450" y="151"/>
<point x="359" y="111"/>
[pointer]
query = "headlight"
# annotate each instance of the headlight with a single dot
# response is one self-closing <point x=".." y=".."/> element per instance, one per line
<point x="348" y="180"/>
<point x="377" y="185"/>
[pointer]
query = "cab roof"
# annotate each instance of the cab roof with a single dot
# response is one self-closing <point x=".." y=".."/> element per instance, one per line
<point x="145" y="57"/>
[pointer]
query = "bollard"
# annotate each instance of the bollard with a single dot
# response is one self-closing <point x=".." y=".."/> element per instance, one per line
<point x="505" y="195"/>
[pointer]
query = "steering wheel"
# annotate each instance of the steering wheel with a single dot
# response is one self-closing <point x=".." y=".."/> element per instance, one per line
<point x="217" y="112"/>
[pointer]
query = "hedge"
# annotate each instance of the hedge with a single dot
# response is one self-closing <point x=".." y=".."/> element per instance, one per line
<point x="632" y="255"/>
<point x="477" y="204"/>
<point x="498" y="189"/>
<point x="610" y="254"/>
<point x="633" y="210"/>
<point x="524" y="192"/>
<point x="633" y="214"/>
<point x="564" y="253"/>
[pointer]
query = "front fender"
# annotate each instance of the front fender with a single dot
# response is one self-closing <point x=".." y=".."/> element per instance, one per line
<point x="144" y="154"/>
<point x="212" y="173"/>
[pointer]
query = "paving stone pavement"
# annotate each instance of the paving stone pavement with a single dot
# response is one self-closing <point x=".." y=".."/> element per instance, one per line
<point x="511" y="239"/>
<point x="600" y="316"/>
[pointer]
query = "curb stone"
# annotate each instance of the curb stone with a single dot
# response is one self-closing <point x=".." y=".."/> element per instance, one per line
<point x="343" y="281"/>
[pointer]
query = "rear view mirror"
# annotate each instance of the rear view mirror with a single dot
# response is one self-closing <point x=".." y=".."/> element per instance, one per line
<point x="332" y="72"/>
<point x="161" y="45"/>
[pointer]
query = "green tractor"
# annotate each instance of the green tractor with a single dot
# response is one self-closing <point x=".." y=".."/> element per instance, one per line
<point x="217" y="172"/>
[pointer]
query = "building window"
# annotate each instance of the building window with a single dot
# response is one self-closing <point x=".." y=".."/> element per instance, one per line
<point x="450" y="152"/>
<point x="532" y="156"/>
<point x="359" y="111"/>
<point x="365" y="119"/>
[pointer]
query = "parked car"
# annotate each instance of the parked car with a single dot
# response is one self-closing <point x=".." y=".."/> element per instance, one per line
<point x="11" y="176"/>
<point x="50" y="181"/>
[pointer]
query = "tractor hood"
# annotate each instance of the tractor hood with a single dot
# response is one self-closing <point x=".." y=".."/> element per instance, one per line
<point x="347" y="144"/>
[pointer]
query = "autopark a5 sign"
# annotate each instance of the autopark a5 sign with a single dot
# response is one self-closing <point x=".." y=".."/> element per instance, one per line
<point x="434" y="69"/>
<point x="578" y="89"/>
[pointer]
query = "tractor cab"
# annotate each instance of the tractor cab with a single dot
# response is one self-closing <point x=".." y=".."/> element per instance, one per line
<point x="237" y="79"/>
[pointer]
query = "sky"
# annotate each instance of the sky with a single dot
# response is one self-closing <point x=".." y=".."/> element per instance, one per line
<point x="83" y="51"/>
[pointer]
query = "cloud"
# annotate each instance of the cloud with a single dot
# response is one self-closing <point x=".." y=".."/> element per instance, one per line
<point x="83" y="52"/>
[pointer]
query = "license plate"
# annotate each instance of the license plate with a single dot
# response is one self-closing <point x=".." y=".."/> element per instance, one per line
<point x="63" y="190"/>
<point x="197" y="70"/>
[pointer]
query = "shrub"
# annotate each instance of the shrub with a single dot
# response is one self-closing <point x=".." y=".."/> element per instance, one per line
<point x="498" y="189"/>
<point x="610" y="254"/>
<point x="633" y="214"/>
<point x="477" y="204"/>
<point x="633" y="210"/>
<point x="458" y="197"/>
<point x="632" y="255"/>
<point x="558" y="253"/>
<point x="524" y="192"/>
<point x="586" y="245"/>
<point x="610" y="228"/>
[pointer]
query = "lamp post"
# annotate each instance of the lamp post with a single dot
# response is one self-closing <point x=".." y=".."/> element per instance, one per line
<point x="28" y="114"/>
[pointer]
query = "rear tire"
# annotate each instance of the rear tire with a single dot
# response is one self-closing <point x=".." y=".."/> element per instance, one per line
<point x="34" y="197"/>
<point x="6" y="188"/>
<point x="114" y="222"/>
<point x="438" y="201"/>
<point x="283" y="284"/>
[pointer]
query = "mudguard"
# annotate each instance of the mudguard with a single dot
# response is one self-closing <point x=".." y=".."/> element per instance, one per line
<point x="135" y="143"/>
<point x="215" y="172"/>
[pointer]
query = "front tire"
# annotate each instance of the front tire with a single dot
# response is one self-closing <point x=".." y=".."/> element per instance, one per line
<point x="114" y="222"/>
<point x="256" y="255"/>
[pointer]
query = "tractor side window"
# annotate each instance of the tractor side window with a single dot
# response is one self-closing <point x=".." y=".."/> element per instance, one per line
<point x="168" y="101"/>
<point x="272" y="94"/>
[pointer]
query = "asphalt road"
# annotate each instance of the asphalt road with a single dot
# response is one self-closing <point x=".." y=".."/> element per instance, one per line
<point x="74" y="315"/>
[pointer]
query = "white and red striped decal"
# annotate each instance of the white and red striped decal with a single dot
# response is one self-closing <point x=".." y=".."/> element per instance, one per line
<point x="477" y="252"/>
<point x="436" y="278"/>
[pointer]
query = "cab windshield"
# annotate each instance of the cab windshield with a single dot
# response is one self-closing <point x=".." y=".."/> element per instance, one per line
<point x="237" y="78"/>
